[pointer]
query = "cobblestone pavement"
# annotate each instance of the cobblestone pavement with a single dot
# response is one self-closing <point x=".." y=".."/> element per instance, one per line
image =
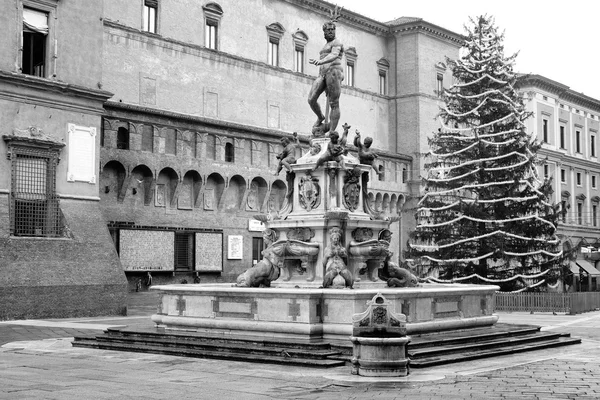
<point x="37" y="361"/>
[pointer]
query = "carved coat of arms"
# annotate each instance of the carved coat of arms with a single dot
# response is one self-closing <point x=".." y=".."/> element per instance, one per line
<point x="309" y="192"/>
<point x="351" y="189"/>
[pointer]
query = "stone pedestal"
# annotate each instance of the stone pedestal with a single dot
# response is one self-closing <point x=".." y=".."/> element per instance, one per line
<point x="379" y="340"/>
<point x="377" y="356"/>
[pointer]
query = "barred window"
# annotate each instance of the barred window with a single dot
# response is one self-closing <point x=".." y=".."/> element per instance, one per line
<point x="184" y="250"/>
<point x="34" y="205"/>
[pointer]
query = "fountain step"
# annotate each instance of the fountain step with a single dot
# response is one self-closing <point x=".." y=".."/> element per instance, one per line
<point x="466" y="335"/>
<point x="481" y="344"/>
<point x="202" y="353"/>
<point x="205" y="346"/>
<point x="439" y="359"/>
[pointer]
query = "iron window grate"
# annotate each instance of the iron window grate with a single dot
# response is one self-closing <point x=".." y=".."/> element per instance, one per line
<point x="34" y="207"/>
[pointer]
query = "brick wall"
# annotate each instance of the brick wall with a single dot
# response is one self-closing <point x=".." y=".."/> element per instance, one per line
<point x="57" y="278"/>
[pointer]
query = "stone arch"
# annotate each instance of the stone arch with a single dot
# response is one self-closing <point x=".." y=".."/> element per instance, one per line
<point x="166" y="185"/>
<point x="385" y="206"/>
<point x="378" y="202"/>
<point x="393" y="204"/>
<point x="257" y="194"/>
<point x="142" y="180"/>
<point x="234" y="194"/>
<point x="400" y="203"/>
<point x="190" y="190"/>
<point x="213" y="191"/>
<point x="277" y="196"/>
<point x="371" y="200"/>
<point x="112" y="179"/>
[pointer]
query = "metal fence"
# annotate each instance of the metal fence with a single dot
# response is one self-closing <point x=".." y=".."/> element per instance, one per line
<point x="572" y="303"/>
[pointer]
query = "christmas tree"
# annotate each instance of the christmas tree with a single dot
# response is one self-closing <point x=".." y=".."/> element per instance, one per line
<point x="485" y="211"/>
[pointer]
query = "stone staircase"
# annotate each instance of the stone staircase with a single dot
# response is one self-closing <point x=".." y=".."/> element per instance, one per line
<point x="189" y="344"/>
<point x="425" y="350"/>
<point x="438" y="348"/>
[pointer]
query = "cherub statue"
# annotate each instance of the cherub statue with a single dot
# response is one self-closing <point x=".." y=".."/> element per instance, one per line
<point x="287" y="156"/>
<point x="335" y="149"/>
<point x="333" y="260"/>
<point x="365" y="154"/>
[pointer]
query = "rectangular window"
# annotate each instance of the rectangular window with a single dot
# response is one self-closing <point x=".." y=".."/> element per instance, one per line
<point x="562" y="137"/>
<point x="150" y="15"/>
<point x="593" y="181"/>
<point x="34" y="205"/>
<point x="563" y="209"/>
<point x="578" y="176"/>
<point x="563" y="176"/>
<point x="210" y="34"/>
<point x="299" y="59"/>
<point x="257" y="247"/>
<point x="273" y="52"/>
<point x="184" y="251"/>
<point x="440" y="85"/>
<point x="578" y="141"/>
<point x="382" y="83"/>
<point x="35" y="34"/>
<point x="593" y="145"/>
<point x="350" y="74"/>
<point x="546" y="171"/>
<point x="580" y="213"/>
<point x="545" y="130"/>
<point x="595" y="215"/>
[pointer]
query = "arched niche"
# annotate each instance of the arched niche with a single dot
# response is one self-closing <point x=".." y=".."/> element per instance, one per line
<point x="142" y="181"/>
<point x="386" y="203"/>
<point x="234" y="194"/>
<point x="166" y="184"/>
<point x="378" y="202"/>
<point x="393" y="204"/>
<point x="277" y="198"/>
<point x="257" y="194"/>
<point x="371" y="200"/>
<point x="111" y="180"/>
<point x="190" y="190"/>
<point x="213" y="190"/>
<point x="400" y="203"/>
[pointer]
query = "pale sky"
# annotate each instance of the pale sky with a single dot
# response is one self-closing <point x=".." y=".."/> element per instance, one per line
<point x="558" y="40"/>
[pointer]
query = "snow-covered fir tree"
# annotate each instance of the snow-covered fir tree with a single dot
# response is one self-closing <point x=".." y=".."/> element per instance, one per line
<point x="485" y="211"/>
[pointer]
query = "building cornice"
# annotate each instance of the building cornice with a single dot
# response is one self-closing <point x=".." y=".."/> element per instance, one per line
<point x="421" y="26"/>
<point x="348" y="17"/>
<point x="50" y="93"/>
<point x="565" y="159"/>
<point x="561" y="91"/>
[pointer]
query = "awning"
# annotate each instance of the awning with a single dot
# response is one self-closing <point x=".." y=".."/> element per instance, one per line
<point x="35" y="21"/>
<point x="588" y="267"/>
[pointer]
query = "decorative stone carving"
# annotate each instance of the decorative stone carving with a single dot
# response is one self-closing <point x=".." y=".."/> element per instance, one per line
<point x="362" y="234"/>
<point x="263" y="273"/>
<point x="368" y="256"/>
<point x="396" y="276"/>
<point x="305" y="253"/>
<point x="351" y="189"/>
<point x="270" y="236"/>
<point x="334" y="262"/>
<point x="301" y="234"/>
<point x="379" y="340"/>
<point x="309" y="192"/>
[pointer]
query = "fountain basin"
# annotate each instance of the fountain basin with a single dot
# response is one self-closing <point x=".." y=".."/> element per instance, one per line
<point x="313" y="314"/>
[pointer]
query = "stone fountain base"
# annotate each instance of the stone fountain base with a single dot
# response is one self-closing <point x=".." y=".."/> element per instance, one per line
<point x="312" y="314"/>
